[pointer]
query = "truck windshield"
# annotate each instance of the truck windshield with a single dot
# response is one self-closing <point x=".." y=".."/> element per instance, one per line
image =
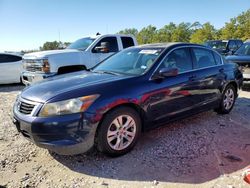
<point x="243" y="50"/>
<point x="132" y="61"/>
<point x="216" y="44"/>
<point x="81" y="44"/>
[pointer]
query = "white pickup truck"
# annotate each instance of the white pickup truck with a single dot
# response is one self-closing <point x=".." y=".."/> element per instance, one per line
<point x="83" y="54"/>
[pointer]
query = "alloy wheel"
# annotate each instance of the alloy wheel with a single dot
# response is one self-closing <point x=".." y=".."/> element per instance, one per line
<point x="228" y="100"/>
<point x="121" y="132"/>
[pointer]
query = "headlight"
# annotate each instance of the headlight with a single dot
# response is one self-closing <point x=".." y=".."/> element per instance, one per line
<point x="70" y="106"/>
<point x="41" y="64"/>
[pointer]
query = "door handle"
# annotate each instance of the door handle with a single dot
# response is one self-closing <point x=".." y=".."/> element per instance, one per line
<point x="192" y="78"/>
<point x="221" y="69"/>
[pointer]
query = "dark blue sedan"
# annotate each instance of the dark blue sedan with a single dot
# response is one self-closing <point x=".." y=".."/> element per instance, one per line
<point x="132" y="91"/>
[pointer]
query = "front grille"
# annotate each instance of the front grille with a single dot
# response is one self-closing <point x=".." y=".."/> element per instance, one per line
<point x="32" y="65"/>
<point x="25" y="108"/>
<point x="34" y="68"/>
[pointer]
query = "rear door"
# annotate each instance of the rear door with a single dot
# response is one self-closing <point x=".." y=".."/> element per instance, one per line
<point x="208" y="76"/>
<point x="11" y="67"/>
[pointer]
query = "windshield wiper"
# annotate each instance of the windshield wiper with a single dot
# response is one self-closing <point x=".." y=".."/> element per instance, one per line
<point x="106" y="72"/>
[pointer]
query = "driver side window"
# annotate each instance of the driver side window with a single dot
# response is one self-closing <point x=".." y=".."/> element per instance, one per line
<point x="179" y="59"/>
<point x="111" y="42"/>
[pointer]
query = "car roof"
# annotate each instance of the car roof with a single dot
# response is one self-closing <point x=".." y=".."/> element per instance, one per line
<point x="169" y="44"/>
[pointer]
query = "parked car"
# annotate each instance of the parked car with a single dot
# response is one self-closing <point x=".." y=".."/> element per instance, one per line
<point x="224" y="47"/>
<point x="132" y="91"/>
<point x="82" y="54"/>
<point x="11" y="68"/>
<point x="242" y="58"/>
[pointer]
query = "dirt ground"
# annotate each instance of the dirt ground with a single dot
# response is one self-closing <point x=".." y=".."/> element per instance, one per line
<point x="205" y="150"/>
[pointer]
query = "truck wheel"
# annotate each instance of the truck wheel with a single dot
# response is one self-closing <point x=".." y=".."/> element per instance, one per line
<point x="227" y="100"/>
<point x="119" y="131"/>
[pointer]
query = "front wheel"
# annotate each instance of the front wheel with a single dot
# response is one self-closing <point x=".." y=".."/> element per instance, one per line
<point x="119" y="131"/>
<point x="228" y="100"/>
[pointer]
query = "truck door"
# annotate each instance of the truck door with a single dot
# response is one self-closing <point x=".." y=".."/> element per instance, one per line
<point x="103" y="49"/>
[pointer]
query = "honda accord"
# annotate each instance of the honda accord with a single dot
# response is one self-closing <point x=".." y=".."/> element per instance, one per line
<point x="135" y="90"/>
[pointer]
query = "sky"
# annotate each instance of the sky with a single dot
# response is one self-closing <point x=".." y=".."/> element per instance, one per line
<point x="27" y="24"/>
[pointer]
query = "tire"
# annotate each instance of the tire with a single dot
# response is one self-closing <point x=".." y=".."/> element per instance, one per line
<point x="227" y="100"/>
<point x="122" y="136"/>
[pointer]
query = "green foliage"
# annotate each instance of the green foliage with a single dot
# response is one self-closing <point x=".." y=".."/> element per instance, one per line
<point x="147" y="35"/>
<point x="130" y="31"/>
<point x="54" y="45"/>
<point x="205" y="33"/>
<point x="236" y="28"/>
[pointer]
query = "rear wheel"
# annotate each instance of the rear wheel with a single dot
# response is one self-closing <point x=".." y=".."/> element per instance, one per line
<point x="119" y="131"/>
<point x="228" y="100"/>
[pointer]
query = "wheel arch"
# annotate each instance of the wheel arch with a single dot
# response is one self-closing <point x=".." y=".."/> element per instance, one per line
<point x="70" y="68"/>
<point x="234" y="84"/>
<point x="133" y="106"/>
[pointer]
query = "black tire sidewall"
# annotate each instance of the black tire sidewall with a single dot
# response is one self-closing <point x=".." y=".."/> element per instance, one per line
<point x="102" y="143"/>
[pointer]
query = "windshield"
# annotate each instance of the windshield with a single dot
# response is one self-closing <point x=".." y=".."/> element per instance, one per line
<point x="81" y="44"/>
<point x="243" y="50"/>
<point x="216" y="44"/>
<point x="132" y="61"/>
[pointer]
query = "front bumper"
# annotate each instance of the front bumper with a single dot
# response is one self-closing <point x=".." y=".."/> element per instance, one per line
<point x="246" y="76"/>
<point x="66" y="135"/>
<point x="29" y="78"/>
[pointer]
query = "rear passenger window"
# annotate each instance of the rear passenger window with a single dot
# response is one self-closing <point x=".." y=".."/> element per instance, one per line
<point x="127" y="42"/>
<point x="217" y="58"/>
<point x="204" y="58"/>
<point x="180" y="59"/>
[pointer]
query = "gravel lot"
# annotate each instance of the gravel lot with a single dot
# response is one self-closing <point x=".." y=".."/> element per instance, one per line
<point x="206" y="150"/>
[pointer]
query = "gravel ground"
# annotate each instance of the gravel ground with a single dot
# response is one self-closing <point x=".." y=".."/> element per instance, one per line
<point x="205" y="150"/>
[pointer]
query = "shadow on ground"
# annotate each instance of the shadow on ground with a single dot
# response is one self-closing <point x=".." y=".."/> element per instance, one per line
<point x="11" y="87"/>
<point x="194" y="150"/>
<point x="246" y="87"/>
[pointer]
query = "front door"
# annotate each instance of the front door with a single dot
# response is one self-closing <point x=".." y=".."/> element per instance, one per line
<point x="98" y="56"/>
<point x="172" y="95"/>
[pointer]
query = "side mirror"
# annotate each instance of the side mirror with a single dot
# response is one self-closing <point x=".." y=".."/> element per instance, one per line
<point x="166" y="72"/>
<point x="104" y="48"/>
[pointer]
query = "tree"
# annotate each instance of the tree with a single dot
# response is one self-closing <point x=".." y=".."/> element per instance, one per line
<point x="206" y="32"/>
<point x="54" y="45"/>
<point x="182" y="33"/>
<point x="50" y="45"/>
<point x="165" y="34"/>
<point x="130" y="31"/>
<point x="147" y="35"/>
<point x="237" y="27"/>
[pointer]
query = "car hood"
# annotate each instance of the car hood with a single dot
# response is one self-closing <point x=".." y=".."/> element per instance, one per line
<point x="239" y="58"/>
<point x="48" y="53"/>
<point x="50" y="88"/>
